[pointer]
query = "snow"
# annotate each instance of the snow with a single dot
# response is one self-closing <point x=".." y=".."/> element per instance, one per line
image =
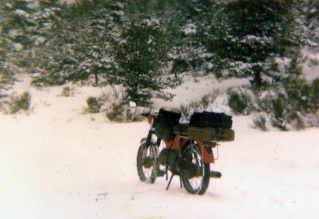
<point x="189" y="29"/>
<point x="58" y="162"/>
<point x="22" y="13"/>
<point x="194" y="88"/>
<point x="311" y="69"/>
<point x="17" y="47"/>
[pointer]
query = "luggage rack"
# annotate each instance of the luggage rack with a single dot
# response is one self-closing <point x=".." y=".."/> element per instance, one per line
<point x="211" y="134"/>
<point x="208" y="134"/>
<point x="181" y="129"/>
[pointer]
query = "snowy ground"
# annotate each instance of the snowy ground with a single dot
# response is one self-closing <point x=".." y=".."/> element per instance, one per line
<point x="57" y="162"/>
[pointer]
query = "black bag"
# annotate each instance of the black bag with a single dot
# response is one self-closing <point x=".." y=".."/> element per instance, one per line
<point x="211" y="119"/>
<point x="167" y="119"/>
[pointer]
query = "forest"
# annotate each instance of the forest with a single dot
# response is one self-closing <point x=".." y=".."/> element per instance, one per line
<point x="147" y="46"/>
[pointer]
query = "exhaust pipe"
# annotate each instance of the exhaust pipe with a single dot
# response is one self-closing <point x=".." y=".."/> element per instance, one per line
<point x="215" y="174"/>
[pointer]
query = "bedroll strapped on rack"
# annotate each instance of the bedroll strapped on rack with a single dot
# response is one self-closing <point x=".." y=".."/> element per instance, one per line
<point x="211" y="119"/>
<point x="211" y="126"/>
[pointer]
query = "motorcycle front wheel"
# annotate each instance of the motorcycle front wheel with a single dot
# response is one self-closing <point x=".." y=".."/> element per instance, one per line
<point x="147" y="162"/>
<point x="196" y="177"/>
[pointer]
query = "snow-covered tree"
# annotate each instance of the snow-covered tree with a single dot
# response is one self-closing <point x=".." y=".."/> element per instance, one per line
<point x="183" y="23"/>
<point x="12" y="37"/>
<point x="252" y="34"/>
<point x="98" y="32"/>
<point x="81" y="44"/>
<point x="139" y="55"/>
<point x="309" y="15"/>
<point x="25" y="29"/>
<point x="6" y="73"/>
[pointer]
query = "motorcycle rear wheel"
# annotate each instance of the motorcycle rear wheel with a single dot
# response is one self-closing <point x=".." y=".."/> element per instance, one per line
<point x="195" y="182"/>
<point x="147" y="162"/>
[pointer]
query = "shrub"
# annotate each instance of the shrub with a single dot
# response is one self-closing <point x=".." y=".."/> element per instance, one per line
<point x="239" y="101"/>
<point x="199" y="105"/>
<point x="299" y="123"/>
<point x="314" y="62"/>
<point x="123" y="113"/>
<point x="67" y="91"/>
<point x="291" y="104"/>
<point x="195" y="106"/>
<point x="113" y="103"/>
<point x="184" y="109"/>
<point x="116" y="95"/>
<point x="260" y="122"/>
<point x="94" y="104"/>
<point x="2" y="106"/>
<point x="208" y="99"/>
<point x="279" y="111"/>
<point x="19" y="102"/>
<point x="115" y="114"/>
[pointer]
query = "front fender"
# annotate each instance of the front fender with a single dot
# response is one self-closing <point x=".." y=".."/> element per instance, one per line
<point x="144" y="141"/>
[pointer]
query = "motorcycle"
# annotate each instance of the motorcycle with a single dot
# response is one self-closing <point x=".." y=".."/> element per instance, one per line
<point x="178" y="154"/>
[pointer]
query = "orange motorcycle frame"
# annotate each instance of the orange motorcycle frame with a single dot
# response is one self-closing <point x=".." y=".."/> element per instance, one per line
<point x="180" y="142"/>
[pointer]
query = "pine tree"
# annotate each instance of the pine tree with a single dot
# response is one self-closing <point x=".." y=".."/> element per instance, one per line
<point x="18" y="28"/>
<point x="253" y="34"/>
<point x="184" y="22"/>
<point x="24" y="30"/>
<point x="80" y="46"/>
<point x="11" y="35"/>
<point x="139" y="56"/>
<point x="310" y="14"/>
<point x="99" y="31"/>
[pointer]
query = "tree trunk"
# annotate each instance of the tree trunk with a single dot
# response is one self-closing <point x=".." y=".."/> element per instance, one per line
<point x="257" y="80"/>
<point x="96" y="79"/>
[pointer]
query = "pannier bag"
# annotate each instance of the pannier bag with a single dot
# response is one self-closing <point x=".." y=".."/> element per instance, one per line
<point x="211" y="126"/>
<point x="167" y="119"/>
<point x="211" y="134"/>
<point x="211" y="119"/>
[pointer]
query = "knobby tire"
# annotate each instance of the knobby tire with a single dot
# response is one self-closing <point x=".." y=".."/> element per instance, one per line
<point x="147" y="162"/>
<point x="199" y="183"/>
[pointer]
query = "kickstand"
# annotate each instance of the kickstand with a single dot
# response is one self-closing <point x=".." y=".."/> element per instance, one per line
<point x="170" y="180"/>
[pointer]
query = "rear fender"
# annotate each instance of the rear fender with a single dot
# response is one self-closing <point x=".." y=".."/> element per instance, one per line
<point x="174" y="144"/>
<point x="208" y="155"/>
